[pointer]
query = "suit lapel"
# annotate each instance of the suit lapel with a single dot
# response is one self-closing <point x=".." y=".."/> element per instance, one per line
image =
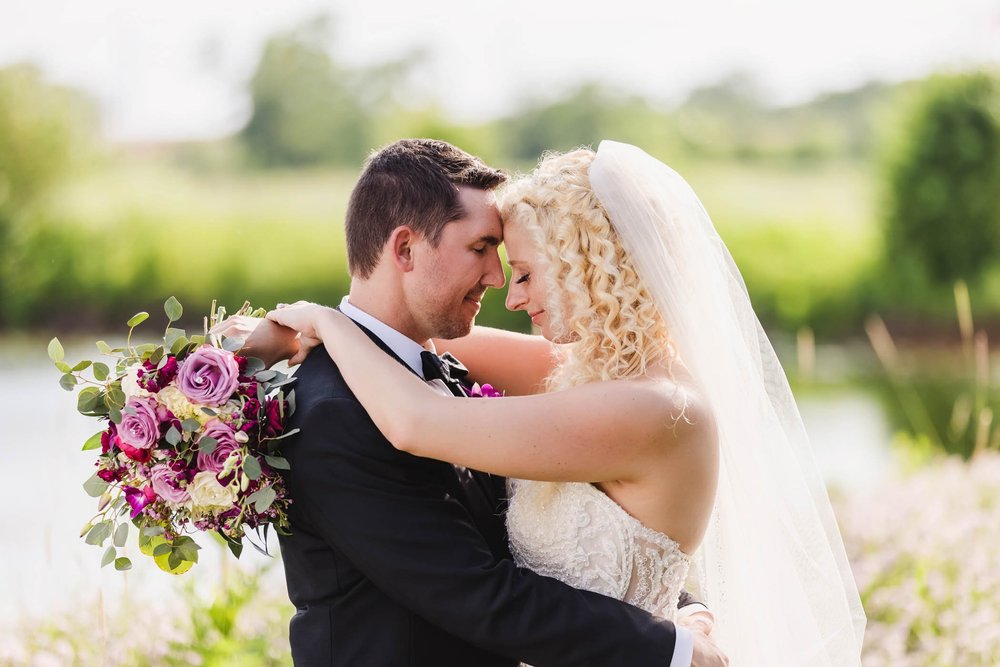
<point x="476" y="490"/>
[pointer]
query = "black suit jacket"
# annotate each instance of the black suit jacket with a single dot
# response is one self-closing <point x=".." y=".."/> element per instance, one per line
<point x="396" y="561"/>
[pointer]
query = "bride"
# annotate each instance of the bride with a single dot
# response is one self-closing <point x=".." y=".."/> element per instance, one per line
<point x="665" y="446"/>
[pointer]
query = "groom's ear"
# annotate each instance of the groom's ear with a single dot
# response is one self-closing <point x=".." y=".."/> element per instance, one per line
<point x="400" y="247"/>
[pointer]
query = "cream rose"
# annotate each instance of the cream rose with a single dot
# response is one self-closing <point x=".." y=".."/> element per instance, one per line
<point x="130" y="383"/>
<point x="205" y="491"/>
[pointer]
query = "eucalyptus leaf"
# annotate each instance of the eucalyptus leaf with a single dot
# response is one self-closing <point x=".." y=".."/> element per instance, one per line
<point x="99" y="533"/>
<point x="264" y="499"/>
<point x="56" y="352"/>
<point x="174" y="560"/>
<point x="173" y="309"/>
<point x="114" y="414"/>
<point x="207" y="445"/>
<point x="88" y="399"/>
<point x="162" y="549"/>
<point x="251" y="467"/>
<point x="103" y="347"/>
<point x="137" y="319"/>
<point x="210" y="412"/>
<point x="152" y="531"/>
<point x="101" y="371"/>
<point x="63" y="367"/>
<point x="265" y="376"/>
<point x="235" y="547"/>
<point x="233" y="344"/>
<point x="121" y="535"/>
<point x="171" y="335"/>
<point x="190" y="425"/>
<point x="285" y="434"/>
<point x="173" y="436"/>
<point x="277" y="462"/>
<point x="109" y="556"/>
<point x="254" y="365"/>
<point x="68" y="382"/>
<point x="82" y="366"/>
<point x="95" y="486"/>
<point x="93" y="442"/>
<point x="116" y="394"/>
<point x="178" y="344"/>
<point x="198" y="340"/>
<point x="122" y="564"/>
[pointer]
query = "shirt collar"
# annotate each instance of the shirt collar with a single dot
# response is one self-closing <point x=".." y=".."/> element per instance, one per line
<point x="405" y="348"/>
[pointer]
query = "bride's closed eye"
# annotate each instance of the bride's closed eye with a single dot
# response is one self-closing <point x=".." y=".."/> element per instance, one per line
<point x="523" y="279"/>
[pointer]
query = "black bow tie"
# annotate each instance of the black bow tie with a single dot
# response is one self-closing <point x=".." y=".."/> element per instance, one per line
<point x="446" y="368"/>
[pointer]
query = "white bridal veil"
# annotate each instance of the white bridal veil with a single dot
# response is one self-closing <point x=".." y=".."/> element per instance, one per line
<point x="772" y="567"/>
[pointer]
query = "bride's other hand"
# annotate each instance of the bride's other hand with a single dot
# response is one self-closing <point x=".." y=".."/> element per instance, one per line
<point x="265" y="340"/>
<point x="702" y="621"/>
<point x="306" y="318"/>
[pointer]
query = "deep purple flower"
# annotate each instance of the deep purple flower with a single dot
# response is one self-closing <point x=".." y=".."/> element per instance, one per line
<point x="154" y="379"/>
<point x="167" y="482"/>
<point x="250" y="415"/>
<point x="208" y="376"/>
<point x="226" y="439"/>
<point x="272" y="411"/>
<point x="139" y="498"/>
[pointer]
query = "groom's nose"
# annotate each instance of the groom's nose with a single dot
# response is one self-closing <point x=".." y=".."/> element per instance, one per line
<point x="493" y="275"/>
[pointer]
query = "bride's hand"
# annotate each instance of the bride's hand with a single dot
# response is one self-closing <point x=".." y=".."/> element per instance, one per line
<point x="306" y="318"/>
<point x="266" y="340"/>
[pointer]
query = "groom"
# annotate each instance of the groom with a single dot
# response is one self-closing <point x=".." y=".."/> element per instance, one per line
<point x="399" y="560"/>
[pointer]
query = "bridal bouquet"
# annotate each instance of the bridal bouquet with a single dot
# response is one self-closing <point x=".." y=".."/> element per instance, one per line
<point x="191" y="443"/>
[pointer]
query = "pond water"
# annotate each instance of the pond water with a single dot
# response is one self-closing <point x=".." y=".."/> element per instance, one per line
<point x="46" y="568"/>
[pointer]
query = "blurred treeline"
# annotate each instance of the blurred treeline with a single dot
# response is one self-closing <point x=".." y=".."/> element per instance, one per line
<point x="873" y="199"/>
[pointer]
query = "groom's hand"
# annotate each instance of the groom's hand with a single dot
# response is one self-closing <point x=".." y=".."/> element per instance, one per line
<point x="706" y="653"/>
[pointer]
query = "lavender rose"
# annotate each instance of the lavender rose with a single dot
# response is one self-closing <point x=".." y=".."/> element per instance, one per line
<point x="209" y="376"/>
<point x="140" y="426"/>
<point x="166" y="483"/>
<point x="226" y="439"/>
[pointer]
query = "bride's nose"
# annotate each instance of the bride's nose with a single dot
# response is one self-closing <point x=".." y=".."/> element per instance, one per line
<point x="516" y="296"/>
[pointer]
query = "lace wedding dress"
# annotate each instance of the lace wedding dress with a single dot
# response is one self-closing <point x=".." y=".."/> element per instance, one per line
<point x="577" y="534"/>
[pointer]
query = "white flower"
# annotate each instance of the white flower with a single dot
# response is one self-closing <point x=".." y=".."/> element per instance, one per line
<point x="205" y="491"/>
<point x="130" y="383"/>
<point x="178" y="404"/>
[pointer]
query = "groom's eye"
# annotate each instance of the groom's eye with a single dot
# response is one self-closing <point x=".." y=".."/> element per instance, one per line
<point x="479" y="251"/>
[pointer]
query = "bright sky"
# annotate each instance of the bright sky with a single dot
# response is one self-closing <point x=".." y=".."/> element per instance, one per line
<point x="164" y="70"/>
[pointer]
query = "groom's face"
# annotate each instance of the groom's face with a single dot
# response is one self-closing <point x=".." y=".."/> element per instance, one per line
<point x="446" y="287"/>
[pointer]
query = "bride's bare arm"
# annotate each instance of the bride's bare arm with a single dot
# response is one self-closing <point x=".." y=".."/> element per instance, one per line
<point x="513" y="362"/>
<point x="596" y="432"/>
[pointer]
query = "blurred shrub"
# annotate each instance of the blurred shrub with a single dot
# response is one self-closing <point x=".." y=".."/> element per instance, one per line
<point x="236" y="624"/>
<point x="924" y="552"/>
<point x="43" y="131"/>
<point x="943" y="218"/>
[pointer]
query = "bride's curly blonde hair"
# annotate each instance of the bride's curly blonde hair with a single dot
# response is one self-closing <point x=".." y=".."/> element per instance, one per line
<point x="596" y="299"/>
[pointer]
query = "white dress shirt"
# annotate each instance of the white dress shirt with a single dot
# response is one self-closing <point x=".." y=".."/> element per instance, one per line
<point x="409" y="351"/>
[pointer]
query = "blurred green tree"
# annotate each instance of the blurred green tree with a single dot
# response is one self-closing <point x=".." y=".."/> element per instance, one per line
<point x="943" y="218"/>
<point x="307" y="108"/>
<point x="44" y="132"/>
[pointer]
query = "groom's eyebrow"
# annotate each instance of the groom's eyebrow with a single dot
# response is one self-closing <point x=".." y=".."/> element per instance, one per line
<point x="489" y="240"/>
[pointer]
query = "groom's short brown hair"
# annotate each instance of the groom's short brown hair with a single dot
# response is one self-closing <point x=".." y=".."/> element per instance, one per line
<point x="410" y="182"/>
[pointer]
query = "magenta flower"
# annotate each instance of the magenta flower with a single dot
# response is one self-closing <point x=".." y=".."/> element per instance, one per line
<point x="167" y="483"/>
<point x="484" y="391"/>
<point x="208" y="376"/>
<point x="139" y="498"/>
<point x="226" y="439"/>
<point x="140" y="425"/>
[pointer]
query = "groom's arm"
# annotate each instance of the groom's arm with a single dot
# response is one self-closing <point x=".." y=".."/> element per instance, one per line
<point x="384" y="512"/>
